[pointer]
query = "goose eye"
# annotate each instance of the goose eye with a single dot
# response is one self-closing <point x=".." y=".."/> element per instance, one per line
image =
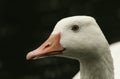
<point x="75" y="28"/>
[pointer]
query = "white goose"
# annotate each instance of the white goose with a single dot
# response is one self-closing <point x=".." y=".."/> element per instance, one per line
<point x="81" y="38"/>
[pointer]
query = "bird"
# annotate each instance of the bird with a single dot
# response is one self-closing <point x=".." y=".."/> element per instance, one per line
<point x="81" y="38"/>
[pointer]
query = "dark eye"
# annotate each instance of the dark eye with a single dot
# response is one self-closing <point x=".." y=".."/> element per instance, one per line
<point x="75" y="28"/>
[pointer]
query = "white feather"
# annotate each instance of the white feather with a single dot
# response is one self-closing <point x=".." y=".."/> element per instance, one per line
<point x="115" y="50"/>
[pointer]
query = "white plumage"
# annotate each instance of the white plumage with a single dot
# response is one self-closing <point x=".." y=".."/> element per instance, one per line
<point x="115" y="50"/>
<point x="81" y="38"/>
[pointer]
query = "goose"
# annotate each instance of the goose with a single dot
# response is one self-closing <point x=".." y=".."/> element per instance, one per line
<point x="79" y="37"/>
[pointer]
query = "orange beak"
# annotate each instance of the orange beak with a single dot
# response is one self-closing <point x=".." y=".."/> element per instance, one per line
<point x="51" y="45"/>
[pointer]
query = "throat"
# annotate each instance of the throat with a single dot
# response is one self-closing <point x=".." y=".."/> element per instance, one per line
<point x="97" y="69"/>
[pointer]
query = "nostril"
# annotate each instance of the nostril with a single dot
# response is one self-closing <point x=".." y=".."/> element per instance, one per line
<point x="48" y="45"/>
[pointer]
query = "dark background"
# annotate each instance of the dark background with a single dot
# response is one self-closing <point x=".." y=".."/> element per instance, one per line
<point x="25" y="24"/>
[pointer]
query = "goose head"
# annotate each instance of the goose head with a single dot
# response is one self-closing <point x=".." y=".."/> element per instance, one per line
<point x="76" y="37"/>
